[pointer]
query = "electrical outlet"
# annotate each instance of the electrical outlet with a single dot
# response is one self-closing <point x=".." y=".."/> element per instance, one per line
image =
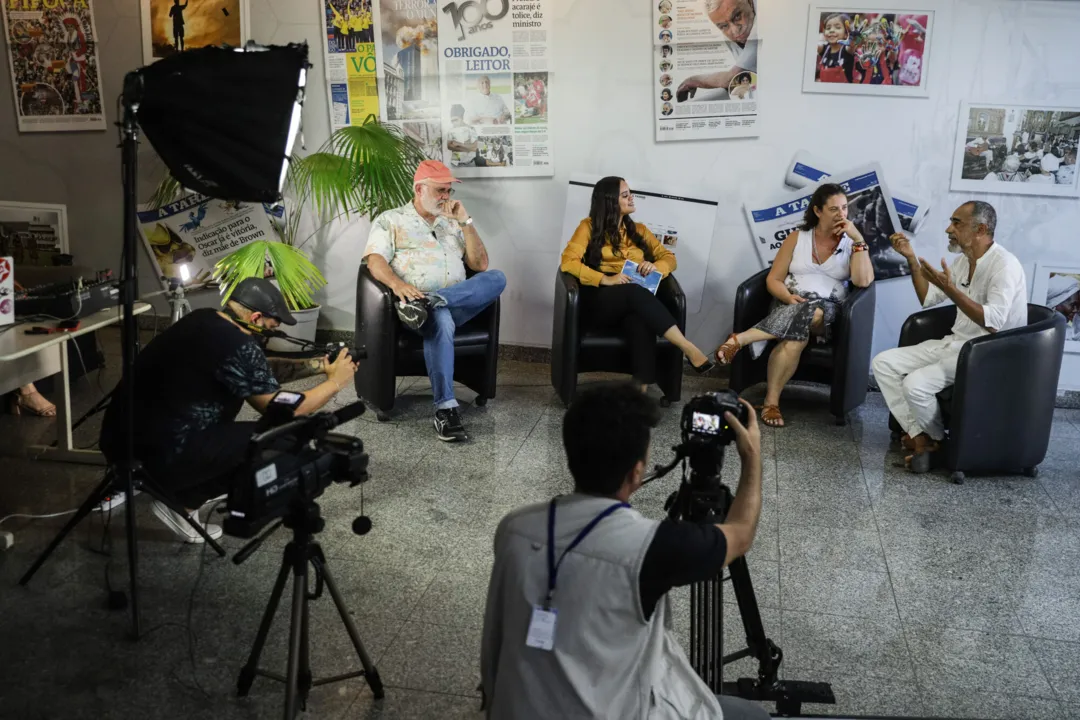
<point x="6" y="540"/>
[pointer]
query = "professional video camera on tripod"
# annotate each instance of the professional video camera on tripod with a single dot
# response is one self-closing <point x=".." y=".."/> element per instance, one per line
<point x="703" y="498"/>
<point x="290" y="464"/>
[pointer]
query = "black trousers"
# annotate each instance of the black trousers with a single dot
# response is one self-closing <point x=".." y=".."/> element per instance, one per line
<point x="637" y="313"/>
<point x="212" y="460"/>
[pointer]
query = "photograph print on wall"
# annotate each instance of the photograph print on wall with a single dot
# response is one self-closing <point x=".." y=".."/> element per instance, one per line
<point x="867" y="49"/>
<point x="1016" y="149"/>
<point x="1058" y="288"/>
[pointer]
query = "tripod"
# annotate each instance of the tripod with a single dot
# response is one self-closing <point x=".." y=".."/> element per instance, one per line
<point x="300" y="554"/>
<point x="704" y="499"/>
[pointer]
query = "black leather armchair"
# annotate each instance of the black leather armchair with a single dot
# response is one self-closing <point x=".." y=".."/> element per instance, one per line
<point x="843" y="363"/>
<point x="577" y="349"/>
<point x="393" y="351"/>
<point x="998" y="412"/>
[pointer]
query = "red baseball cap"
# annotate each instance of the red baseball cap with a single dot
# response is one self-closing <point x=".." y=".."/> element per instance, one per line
<point x="435" y="171"/>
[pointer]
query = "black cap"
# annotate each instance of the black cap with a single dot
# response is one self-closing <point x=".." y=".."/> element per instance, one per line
<point x="260" y="295"/>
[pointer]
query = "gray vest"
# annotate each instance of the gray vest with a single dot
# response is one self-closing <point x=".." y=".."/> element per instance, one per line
<point x="607" y="661"/>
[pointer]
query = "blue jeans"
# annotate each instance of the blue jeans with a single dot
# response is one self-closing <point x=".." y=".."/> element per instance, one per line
<point x="451" y="308"/>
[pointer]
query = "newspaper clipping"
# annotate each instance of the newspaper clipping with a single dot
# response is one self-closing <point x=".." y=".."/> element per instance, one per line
<point x="705" y="65"/>
<point x="197" y="231"/>
<point x="350" y="62"/>
<point x="407" y="55"/>
<point x="495" y="57"/>
<point x="52" y="50"/>
<point x="806" y="170"/>
<point x="871" y="209"/>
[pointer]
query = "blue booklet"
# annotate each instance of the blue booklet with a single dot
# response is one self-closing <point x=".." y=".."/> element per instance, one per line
<point x="650" y="282"/>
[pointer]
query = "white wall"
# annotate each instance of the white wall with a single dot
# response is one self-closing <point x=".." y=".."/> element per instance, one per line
<point x="601" y="118"/>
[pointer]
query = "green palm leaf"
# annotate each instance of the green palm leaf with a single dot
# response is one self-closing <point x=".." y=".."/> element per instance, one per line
<point x="296" y="275"/>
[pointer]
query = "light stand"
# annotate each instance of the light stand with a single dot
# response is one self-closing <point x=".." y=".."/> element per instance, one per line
<point x="224" y="122"/>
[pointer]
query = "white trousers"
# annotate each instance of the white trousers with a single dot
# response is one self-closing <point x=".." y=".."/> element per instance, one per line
<point x="911" y="377"/>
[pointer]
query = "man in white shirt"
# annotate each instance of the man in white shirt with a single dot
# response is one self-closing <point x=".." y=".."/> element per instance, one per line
<point x="461" y="140"/>
<point x="988" y="286"/>
<point x="1066" y="174"/>
<point x="485" y="108"/>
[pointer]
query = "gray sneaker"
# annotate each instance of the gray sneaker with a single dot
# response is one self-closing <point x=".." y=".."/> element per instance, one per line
<point x="180" y="526"/>
<point x="413" y="314"/>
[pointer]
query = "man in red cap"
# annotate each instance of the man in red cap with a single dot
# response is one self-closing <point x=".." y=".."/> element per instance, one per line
<point x="420" y="252"/>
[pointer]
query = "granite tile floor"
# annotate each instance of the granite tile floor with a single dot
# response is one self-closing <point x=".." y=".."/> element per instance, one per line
<point x="912" y="596"/>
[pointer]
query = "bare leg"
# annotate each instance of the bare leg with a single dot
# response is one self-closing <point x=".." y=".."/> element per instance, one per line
<point x="753" y="335"/>
<point x="689" y="349"/>
<point x="782" y="364"/>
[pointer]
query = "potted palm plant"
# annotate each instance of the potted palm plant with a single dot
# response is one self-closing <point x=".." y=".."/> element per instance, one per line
<point x="360" y="169"/>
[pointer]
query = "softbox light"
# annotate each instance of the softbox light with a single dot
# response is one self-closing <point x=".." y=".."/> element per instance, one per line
<point x="223" y="120"/>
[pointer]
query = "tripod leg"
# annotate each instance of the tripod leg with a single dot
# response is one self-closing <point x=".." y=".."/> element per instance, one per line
<point x="304" y="679"/>
<point x="133" y="548"/>
<point x="761" y="647"/>
<point x="295" y="626"/>
<point x="247" y="673"/>
<point x="370" y="672"/>
<point x="92" y="500"/>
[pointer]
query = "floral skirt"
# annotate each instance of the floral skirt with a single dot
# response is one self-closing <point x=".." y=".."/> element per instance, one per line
<point x="792" y="322"/>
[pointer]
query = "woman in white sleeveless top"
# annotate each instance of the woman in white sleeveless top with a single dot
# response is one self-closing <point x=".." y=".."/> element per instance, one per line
<point x="809" y="279"/>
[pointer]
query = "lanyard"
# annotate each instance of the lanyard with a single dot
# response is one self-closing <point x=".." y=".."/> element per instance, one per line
<point x="553" y="565"/>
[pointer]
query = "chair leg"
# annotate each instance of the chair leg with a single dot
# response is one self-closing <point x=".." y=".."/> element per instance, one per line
<point x="840" y="420"/>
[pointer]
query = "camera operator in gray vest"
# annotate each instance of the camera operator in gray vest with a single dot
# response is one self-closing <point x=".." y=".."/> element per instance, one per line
<point x="577" y="622"/>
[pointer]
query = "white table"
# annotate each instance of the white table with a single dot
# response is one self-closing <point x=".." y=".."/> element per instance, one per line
<point x="28" y="358"/>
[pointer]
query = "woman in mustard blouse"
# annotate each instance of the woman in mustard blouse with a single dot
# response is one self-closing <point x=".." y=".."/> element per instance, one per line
<point x="595" y="255"/>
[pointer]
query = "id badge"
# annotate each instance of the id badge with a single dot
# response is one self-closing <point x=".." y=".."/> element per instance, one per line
<point x="541" y="628"/>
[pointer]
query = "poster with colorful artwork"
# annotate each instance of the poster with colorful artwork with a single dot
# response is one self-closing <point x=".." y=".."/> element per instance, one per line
<point x="171" y="26"/>
<point x="350" y="61"/>
<point x="868" y="49"/>
<point x="52" y="53"/>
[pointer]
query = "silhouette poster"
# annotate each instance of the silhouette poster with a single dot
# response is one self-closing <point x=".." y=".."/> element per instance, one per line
<point x="171" y="26"/>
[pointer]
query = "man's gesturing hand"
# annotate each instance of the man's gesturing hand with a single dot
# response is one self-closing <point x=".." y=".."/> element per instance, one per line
<point x="748" y="437"/>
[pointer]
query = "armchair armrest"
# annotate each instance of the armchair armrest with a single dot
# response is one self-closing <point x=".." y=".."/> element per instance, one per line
<point x="670" y="293"/>
<point x="1006" y="383"/>
<point x="752" y="301"/>
<point x="376" y="329"/>
<point x="932" y="324"/>
<point x="565" y="334"/>
<point x="853" y="340"/>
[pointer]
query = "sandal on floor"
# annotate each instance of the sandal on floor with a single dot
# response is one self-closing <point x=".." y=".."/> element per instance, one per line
<point x="920" y="463"/>
<point x="770" y="415"/>
<point x="42" y="408"/>
<point x="726" y="352"/>
<point x="906" y="442"/>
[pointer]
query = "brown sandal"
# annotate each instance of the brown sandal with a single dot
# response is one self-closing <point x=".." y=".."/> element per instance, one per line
<point x="41" y="408"/>
<point x="906" y="442"/>
<point x="726" y="352"/>
<point x="770" y="415"/>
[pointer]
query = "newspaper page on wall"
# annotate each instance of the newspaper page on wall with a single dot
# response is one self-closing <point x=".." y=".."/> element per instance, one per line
<point x="52" y="52"/>
<point x="495" y="57"/>
<point x="870" y="208"/>
<point x="197" y="231"/>
<point x="407" y="55"/>
<point x="705" y="69"/>
<point x="350" y="61"/>
<point x="805" y="169"/>
<point x="682" y="221"/>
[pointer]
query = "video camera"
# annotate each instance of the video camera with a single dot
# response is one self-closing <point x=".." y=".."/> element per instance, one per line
<point x="292" y="462"/>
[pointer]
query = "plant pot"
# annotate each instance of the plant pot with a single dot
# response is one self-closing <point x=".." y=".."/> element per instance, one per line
<point x="306" y="323"/>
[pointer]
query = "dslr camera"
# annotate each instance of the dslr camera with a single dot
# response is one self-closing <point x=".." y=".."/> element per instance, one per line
<point x="291" y="461"/>
<point x="703" y="420"/>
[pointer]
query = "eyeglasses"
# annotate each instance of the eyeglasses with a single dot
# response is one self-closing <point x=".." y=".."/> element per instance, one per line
<point x="442" y="191"/>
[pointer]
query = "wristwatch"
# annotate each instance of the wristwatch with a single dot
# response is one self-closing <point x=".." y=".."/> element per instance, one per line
<point x="467" y="222"/>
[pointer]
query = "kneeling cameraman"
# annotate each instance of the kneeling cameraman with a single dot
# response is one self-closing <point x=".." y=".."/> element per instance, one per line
<point x="595" y="569"/>
<point x="191" y="382"/>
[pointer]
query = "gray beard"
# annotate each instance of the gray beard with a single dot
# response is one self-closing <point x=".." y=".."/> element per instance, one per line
<point x="954" y="248"/>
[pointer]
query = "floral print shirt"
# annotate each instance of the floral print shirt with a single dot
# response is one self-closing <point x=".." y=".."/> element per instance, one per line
<point x="429" y="256"/>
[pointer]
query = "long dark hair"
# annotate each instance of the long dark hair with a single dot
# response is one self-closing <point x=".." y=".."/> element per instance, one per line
<point x="605" y="217"/>
<point x="817" y="202"/>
